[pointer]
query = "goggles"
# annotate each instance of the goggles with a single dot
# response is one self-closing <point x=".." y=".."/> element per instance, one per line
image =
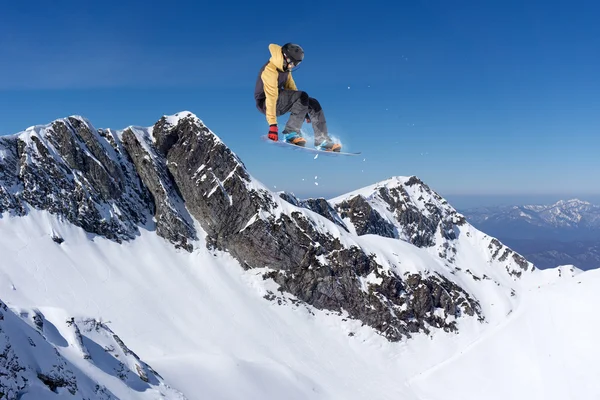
<point x="291" y="62"/>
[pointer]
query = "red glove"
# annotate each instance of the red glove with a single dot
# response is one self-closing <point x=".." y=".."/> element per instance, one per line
<point x="273" y="132"/>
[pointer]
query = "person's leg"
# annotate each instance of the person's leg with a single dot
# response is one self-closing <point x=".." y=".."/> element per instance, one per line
<point x="296" y="103"/>
<point x="317" y="117"/>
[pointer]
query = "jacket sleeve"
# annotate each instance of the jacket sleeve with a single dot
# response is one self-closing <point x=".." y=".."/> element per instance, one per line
<point x="269" y="77"/>
<point x="289" y="83"/>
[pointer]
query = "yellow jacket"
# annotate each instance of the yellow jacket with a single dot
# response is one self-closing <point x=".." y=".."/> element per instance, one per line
<point x="273" y="79"/>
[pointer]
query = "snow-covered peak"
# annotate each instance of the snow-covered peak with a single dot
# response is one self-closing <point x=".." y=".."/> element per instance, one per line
<point x="405" y="208"/>
<point x="370" y="190"/>
<point x="44" y="129"/>
<point x="571" y="203"/>
<point x="398" y="196"/>
<point x="400" y="191"/>
<point x="568" y="213"/>
<point x="174" y="119"/>
<point x="108" y="195"/>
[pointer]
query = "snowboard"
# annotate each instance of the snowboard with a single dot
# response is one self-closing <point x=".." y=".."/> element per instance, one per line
<point x="307" y="149"/>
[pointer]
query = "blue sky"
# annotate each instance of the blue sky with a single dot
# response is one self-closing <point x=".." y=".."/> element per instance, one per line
<point x="486" y="98"/>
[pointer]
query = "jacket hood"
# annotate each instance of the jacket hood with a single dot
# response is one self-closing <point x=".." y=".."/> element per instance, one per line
<point x="276" y="56"/>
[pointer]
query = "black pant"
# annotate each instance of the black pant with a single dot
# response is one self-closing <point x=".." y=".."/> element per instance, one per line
<point x="299" y="104"/>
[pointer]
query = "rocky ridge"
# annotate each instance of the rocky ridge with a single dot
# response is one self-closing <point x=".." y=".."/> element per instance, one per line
<point x="114" y="183"/>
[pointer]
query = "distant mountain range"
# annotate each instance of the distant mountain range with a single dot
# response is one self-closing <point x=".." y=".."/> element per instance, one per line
<point x="566" y="232"/>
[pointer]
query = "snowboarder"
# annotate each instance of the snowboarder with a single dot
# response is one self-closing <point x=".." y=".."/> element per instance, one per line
<point x="276" y="94"/>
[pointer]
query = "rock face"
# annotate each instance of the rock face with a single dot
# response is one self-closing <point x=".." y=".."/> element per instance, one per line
<point x="366" y="221"/>
<point x="92" y="178"/>
<point x="173" y="222"/>
<point x="69" y="169"/>
<point x="307" y="260"/>
<point x="320" y="206"/>
<point x="113" y="183"/>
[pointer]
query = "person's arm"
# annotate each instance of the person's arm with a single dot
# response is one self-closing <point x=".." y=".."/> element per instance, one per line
<point x="269" y="77"/>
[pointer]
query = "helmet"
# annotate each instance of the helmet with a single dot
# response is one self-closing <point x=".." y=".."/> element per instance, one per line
<point x="293" y="52"/>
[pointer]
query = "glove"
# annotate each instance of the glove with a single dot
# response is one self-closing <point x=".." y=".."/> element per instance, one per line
<point x="307" y="119"/>
<point x="273" y="132"/>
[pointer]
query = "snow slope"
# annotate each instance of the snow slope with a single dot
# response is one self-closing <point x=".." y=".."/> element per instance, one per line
<point x="201" y="322"/>
<point x="546" y="349"/>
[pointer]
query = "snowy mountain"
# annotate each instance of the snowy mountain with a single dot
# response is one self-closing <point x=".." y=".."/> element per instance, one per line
<point x="567" y="232"/>
<point x="161" y="236"/>
<point x="573" y="219"/>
